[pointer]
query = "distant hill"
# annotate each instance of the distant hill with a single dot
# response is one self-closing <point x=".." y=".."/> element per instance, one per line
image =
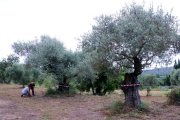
<point x="160" y="71"/>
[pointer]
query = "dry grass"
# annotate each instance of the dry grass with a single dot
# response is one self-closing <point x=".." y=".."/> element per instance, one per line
<point x="85" y="106"/>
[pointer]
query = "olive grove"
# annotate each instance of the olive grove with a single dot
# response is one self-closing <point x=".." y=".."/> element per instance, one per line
<point x="134" y="38"/>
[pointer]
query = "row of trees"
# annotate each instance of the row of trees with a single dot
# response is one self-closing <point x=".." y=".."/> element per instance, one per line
<point x="127" y="41"/>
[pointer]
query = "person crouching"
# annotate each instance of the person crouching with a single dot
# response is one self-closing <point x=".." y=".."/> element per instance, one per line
<point x="31" y="85"/>
<point x="25" y="92"/>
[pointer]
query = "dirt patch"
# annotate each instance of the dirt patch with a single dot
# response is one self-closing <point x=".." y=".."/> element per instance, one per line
<point x="76" y="107"/>
<point x="10" y="110"/>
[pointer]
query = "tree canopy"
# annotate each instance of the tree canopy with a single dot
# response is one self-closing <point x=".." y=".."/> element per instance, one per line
<point x="51" y="55"/>
<point x="134" y="32"/>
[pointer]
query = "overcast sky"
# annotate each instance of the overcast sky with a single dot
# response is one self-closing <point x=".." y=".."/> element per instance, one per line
<point x="63" y="19"/>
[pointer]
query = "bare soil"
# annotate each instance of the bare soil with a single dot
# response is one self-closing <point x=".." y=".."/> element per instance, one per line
<point x="76" y="107"/>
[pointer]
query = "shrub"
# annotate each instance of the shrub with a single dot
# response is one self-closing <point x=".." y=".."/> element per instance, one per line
<point x="36" y="84"/>
<point x="143" y="107"/>
<point x="51" y="91"/>
<point x="117" y="108"/>
<point x="174" y="97"/>
<point x="47" y="83"/>
<point x="72" y="88"/>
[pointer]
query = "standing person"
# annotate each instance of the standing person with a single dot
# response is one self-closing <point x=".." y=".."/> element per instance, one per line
<point x="31" y="85"/>
<point x="25" y="92"/>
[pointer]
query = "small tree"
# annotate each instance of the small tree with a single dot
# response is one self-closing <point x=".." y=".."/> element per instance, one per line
<point x="148" y="81"/>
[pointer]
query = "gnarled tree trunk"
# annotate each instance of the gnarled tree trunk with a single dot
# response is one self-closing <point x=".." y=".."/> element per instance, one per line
<point x="132" y="97"/>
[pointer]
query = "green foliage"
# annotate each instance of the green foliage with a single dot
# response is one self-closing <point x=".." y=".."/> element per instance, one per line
<point x="176" y="65"/>
<point x="175" y="77"/>
<point x="118" y="107"/>
<point x="51" y="56"/>
<point x="4" y="64"/>
<point x="47" y="83"/>
<point x="174" y="97"/>
<point x="12" y="58"/>
<point x="16" y="73"/>
<point x="31" y="74"/>
<point x="104" y="84"/>
<point x="51" y="92"/>
<point x="2" y="71"/>
<point x="135" y="31"/>
<point x="171" y="87"/>
<point x="81" y="85"/>
<point x="148" y="90"/>
<point x="35" y="72"/>
<point x="36" y="84"/>
<point x="144" y="107"/>
<point x="157" y="75"/>
<point x="167" y="80"/>
<point x="147" y="81"/>
<point x="72" y="88"/>
<point x="27" y="74"/>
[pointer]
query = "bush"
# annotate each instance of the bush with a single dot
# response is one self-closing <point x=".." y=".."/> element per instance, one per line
<point x="118" y="107"/>
<point x="72" y="88"/>
<point x="51" y="91"/>
<point x="36" y="84"/>
<point x="174" y="97"/>
<point x="144" y="107"/>
<point x="47" y="83"/>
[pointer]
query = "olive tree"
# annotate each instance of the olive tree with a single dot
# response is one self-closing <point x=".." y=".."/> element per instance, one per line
<point x="16" y="73"/>
<point x="147" y="81"/>
<point x="134" y="38"/>
<point x="50" y="55"/>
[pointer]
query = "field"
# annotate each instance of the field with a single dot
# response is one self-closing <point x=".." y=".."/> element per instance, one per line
<point x="77" y="107"/>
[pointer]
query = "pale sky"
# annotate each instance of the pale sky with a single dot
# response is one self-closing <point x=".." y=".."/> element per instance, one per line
<point x="63" y="19"/>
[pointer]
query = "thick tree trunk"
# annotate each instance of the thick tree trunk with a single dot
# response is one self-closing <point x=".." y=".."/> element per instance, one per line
<point x="132" y="97"/>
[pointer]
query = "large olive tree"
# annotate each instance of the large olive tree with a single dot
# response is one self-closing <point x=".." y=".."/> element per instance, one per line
<point x="133" y="38"/>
